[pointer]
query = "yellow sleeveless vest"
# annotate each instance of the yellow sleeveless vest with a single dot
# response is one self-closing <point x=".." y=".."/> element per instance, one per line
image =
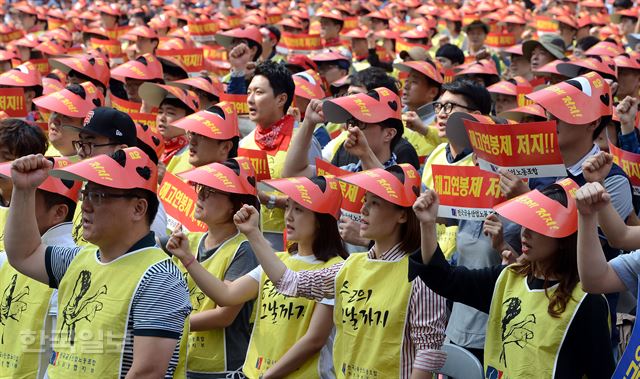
<point x="423" y="143"/>
<point x="206" y="349"/>
<point x="94" y="301"/>
<point x="523" y="340"/>
<point x="4" y="213"/>
<point x="272" y="219"/>
<point x="23" y="310"/>
<point x="370" y="315"/>
<point x="180" y="163"/>
<point x="281" y="321"/>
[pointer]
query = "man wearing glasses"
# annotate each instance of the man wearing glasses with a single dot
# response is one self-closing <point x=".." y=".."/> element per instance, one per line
<point x="461" y="95"/>
<point x="122" y="302"/>
<point x="104" y="131"/>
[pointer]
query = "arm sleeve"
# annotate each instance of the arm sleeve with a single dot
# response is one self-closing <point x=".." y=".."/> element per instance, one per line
<point x="427" y="324"/>
<point x="315" y="285"/>
<point x="621" y="198"/>
<point x="459" y="284"/>
<point x="406" y="153"/>
<point x="256" y="273"/>
<point x="57" y="260"/>
<point x="375" y="61"/>
<point x="627" y="266"/>
<point x="629" y="142"/>
<point x="243" y="262"/>
<point x="161" y="302"/>
<point x="315" y="151"/>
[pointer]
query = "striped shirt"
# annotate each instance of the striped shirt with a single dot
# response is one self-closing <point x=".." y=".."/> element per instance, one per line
<point x="160" y="304"/>
<point x="424" y="330"/>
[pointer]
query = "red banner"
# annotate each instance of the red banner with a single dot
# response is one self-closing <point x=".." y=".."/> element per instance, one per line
<point x="529" y="150"/>
<point x="192" y="59"/>
<point x="521" y="92"/>
<point x="239" y="102"/>
<point x="203" y="30"/>
<point x="125" y="106"/>
<point x="352" y="195"/>
<point x="112" y="48"/>
<point x="350" y="23"/>
<point x="546" y="24"/>
<point x="179" y="200"/>
<point x="630" y="164"/>
<point x="11" y="36"/>
<point x="118" y="32"/>
<point x="12" y="102"/>
<point x="259" y="161"/>
<point x="214" y="53"/>
<point x="500" y="40"/>
<point x="466" y="192"/>
<point x="402" y="45"/>
<point x="290" y="42"/>
<point x="54" y="23"/>
<point x="148" y="119"/>
<point x="447" y="75"/>
<point x="42" y="65"/>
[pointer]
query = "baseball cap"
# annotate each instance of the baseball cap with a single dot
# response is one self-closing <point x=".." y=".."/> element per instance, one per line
<point x="219" y="122"/>
<point x="309" y="195"/>
<point x="110" y="123"/>
<point x="425" y="68"/>
<point x="383" y="183"/>
<point x="373" y="107"/>
<point x="222" y="177"/>
<point x="154" y="94"/>
<point x="303" y="62"/>
<point x="70" y="104"/>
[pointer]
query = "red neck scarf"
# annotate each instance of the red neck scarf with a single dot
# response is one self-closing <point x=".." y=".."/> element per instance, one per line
<point x="271" y="138"/>
<point x="172" y="147"/>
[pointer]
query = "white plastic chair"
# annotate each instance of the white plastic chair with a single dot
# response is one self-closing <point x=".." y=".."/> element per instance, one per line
<point x="461" y="364"/>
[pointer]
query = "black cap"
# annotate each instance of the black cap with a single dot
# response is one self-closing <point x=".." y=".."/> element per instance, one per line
<point x="111" y="123"/>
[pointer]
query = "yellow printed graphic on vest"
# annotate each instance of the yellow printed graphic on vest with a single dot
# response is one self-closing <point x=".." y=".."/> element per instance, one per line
<point x="13" y="304"/>
<point x="82" y="306"/>
<point x="517" y="329"/>
<point x="276" y="307"/>
<point x="357" y="311"/>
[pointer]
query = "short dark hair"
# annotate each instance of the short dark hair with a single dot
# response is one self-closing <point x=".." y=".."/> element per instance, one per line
<point x="327" y="242"/>
<point x="279" y="78"/>
<point x="476" y="95"/>
<point x="178" y="104"/>
<point x="624" y="4"/>
<point x="410" y="230"/>
<point x="52" y="199"/>
<point x="276" y="32"/>
<point x="451" y="52"/>
<point x="585" y="43"/>
<point x="335" y="22"/>
<point x="22" y="138"/>
<point x="375" y="77"/>
<point x="173" y="70"/>
<point x="152" y="202"/>
<point x="251" y="43"/>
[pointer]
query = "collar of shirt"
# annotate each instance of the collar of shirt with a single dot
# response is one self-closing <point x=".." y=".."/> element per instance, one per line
<point x="576" y="169"/>
<point x="451" y="158"/>
<point x="390" y="162"/>
<point x="393" y="254"/>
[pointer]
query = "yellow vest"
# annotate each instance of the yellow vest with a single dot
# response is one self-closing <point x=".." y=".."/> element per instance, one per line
<point x="94" y="300"/>
<point x="206" y="349"/>
<point x="361" y="65"/>
<point x="52" y="152"/>
<point x="523" y="340"/>
<point x="272" y="219"/>
<point x="335" y="131"/>
<point x="180" y="163"/>
<point x="76" y="231"/>
<point x="423" y="143"/>
<point x="372" y="299"/>
<point x="23" y="309"/>
<point x="281" y="321"/>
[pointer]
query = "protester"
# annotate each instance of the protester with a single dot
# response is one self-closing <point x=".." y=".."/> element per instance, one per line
<point x="123" y="263"/>
<point x="283" y="345"/>
<point x="527" y="299"/>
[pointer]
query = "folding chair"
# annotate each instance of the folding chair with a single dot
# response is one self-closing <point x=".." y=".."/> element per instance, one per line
<point x="461" y="364"/>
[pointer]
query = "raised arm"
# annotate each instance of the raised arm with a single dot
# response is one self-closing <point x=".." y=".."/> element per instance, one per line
<point x="297" y="162"/>
<point x="223" y="293"/>
<point x="23" y="244"/>
<point x="426" y="209"/>
<point x="596" y="274"/>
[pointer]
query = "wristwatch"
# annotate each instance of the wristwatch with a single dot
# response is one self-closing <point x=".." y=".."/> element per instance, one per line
<point x="272" y="202"/>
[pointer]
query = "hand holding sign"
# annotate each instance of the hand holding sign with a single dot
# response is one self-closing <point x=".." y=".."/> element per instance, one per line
<point x="313" y="114"/>
<point x="426" y="207"/>
<point x="591" y="197"/>
<point x="627" y="110"/>
<point x="511" y="185"/>
<point x="492" y="228"/>
<point x="597" y="167"/>
<point x="239" y="57"/>
<point x="29" y="172"/>
<point x="178" y="245"/>
<point x="247" y="219"/>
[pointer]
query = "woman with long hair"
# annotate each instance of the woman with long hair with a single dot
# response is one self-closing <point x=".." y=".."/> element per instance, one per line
<point x="290" y="335"/>
<point x="541" y="323"/>
<point x="386" y="327"/>
<point x="219" y="335"/>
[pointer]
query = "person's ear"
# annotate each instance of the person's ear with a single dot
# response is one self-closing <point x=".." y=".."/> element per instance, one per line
<point x="140" y="210"/>
<point x="281" y="99"/>
<point x="388" y="134"/>
<point x="433" y="92"/>
<point x="29" y="95"/>
<point x="60" y="213"/>
<point x="403" y="217"/>
<point x="226" y="147"/>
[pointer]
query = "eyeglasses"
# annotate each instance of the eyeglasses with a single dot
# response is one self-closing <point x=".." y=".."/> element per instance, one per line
<point x="448" y="107"/>
<point x="355" y="123"/>
<point x="204" y="192"/>
<point x="87" y="147"/>
<point x="97" y="198"/>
